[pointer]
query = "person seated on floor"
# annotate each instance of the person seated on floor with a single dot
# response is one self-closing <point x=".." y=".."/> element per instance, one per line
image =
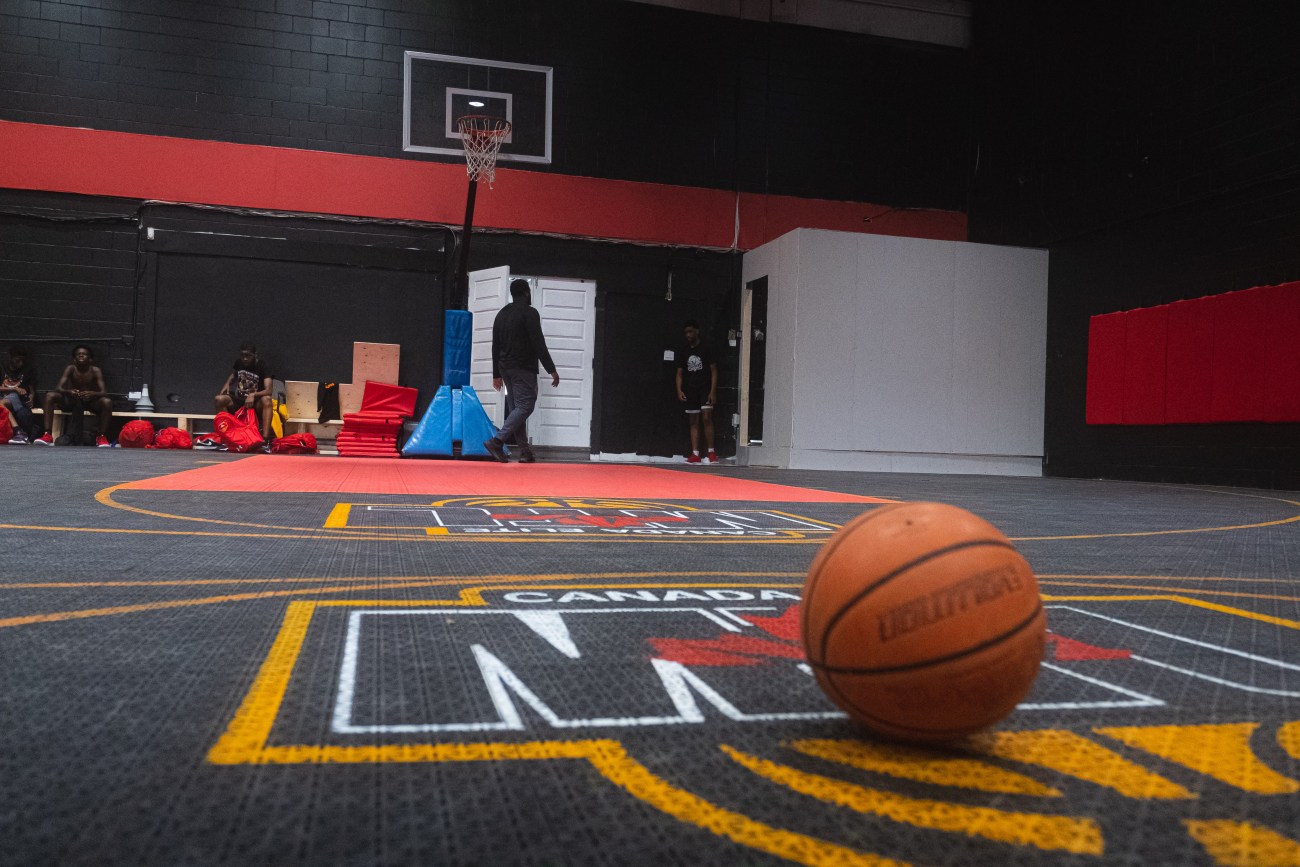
<point x="17" y="391"/>
<point x="80" y="390"/>
<point x="248" y="385"/>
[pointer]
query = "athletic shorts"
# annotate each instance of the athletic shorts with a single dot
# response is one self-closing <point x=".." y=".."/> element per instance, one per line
<point x="696" y="399"/>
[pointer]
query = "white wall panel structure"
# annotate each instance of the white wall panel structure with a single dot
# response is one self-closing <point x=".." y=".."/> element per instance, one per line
<point x="906" y="354"/>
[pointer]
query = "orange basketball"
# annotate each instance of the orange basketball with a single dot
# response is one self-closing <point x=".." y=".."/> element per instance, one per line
<point x="922" y="622"/>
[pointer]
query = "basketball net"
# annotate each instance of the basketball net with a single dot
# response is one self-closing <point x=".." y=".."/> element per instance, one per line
<point x="483" y="136"/>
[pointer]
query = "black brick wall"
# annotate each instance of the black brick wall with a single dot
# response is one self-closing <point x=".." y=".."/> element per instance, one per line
<point x="1154" y="148"/>
<point x="641" y="92"/>
<point x="68" y="276"/>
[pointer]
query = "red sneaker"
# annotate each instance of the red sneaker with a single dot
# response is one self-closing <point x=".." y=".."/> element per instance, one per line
<point x="101" y="442"/>
<point x="693" y="458"/>
<point x="713" y="456"/>
<point x="44" y="439"/>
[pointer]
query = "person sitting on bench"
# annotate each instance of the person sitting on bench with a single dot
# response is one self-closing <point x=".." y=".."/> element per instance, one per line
<point x="17" y="391"/>
<point x="80" y="390"/>
<point x="248" y="385"/>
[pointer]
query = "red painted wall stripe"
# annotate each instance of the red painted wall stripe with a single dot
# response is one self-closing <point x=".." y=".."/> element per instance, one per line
<point x="1233" y="357"/>
<point x="100" y="163"/>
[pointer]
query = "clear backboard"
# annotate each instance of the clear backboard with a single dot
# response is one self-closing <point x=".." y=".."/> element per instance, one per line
<point x="438" y="89"/>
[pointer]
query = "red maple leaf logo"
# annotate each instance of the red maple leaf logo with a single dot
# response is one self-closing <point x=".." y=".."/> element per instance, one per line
<point x="733" y="649"/>
<point x="1070" y="649"/>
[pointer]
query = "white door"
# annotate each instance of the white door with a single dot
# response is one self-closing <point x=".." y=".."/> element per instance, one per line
<point x="568" y="311"/>
<point x="489" y="291"/>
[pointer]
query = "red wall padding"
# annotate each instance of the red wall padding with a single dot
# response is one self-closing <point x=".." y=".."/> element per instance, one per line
<point x="1223" y="358"/>
<point x="1144" y="365"/>
<point x="1106" y="369"/>
<point x="1188" y="351"/>
<point x="1237" y="389"/>
<point x="1281" y="353"/>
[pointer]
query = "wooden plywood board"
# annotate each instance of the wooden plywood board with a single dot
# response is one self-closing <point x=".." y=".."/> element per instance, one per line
<point x="377" y="362"/>
<point x="350" y="396"/>
<point x="301" y="398"/>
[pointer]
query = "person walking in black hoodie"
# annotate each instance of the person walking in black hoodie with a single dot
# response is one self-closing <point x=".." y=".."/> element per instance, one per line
<point x="517" y="346"/>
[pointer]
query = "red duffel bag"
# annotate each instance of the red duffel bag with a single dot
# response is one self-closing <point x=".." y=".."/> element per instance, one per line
<point x="137" y="434"/>
<point x="171" y="438"/>
<point x="294" y="444"/>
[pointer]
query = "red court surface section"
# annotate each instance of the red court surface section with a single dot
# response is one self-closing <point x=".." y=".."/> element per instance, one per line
<point x="280" y="474"/>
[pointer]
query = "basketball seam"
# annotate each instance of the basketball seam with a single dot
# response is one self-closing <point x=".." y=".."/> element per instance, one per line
<point x="884" y="579"/>
<point x="828" y="550"/>
<point x="1010" y="633"/>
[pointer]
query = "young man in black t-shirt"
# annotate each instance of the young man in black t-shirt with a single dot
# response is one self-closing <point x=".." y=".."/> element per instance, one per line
<point x="697" y="388"/>
<point x="248" y="385"/>
<point x="17" y="391"/>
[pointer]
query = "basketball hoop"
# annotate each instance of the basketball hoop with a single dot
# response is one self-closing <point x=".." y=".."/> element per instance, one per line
<point x="483" y="135"/>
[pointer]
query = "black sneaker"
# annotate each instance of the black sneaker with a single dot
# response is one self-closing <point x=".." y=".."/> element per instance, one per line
<point x="527" y="457"/>
<point x="496" y="450"/>
<point x="206" y="444"/>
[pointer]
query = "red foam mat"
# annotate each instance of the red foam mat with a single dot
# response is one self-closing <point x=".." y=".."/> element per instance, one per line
<point x="383" y="397"/>
<point x="275" y="473"/>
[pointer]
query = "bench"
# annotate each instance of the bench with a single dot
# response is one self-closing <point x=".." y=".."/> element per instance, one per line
<point x="184" y="420"/>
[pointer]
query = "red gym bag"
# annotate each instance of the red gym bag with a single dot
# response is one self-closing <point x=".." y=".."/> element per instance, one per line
<point x="171" y="438"/>
<point x="136" y="434"/>
<point x="294" y="444"/>
<point x="238" y="432"/>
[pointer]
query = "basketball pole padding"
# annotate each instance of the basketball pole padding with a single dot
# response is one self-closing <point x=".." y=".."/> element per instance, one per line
<point x="455" y="414"/>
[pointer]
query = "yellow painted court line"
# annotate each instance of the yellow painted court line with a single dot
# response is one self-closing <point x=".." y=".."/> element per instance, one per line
<point x="450" y="579"/>
<point x="248" y="731"/>
<point x="308" y="534"/>
<point x="60" y="616"/>
<point x="245" y="742"/>
<point x="1079" y="835"/>
<point x="194" y="582"/>
<point x="1141" y="533"/>
<point x="473" y="596"/>
<point x="634" y="778"/>
<point x="468" y="596"/>
<point x="1049" y="576"/>
<point x="105" y="497"/>
<point x="1185" y="600"/>
<point x="1276" y="523"/>
<point x="1179" y="597"/>
<point x="39" y="585"/>
<point x="338" y="518"/>
<point x="923" y="766"/>
<point x="1218" y="750"/>
<point x="1068" y="753"/>
<point x="1234" y="843"/>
